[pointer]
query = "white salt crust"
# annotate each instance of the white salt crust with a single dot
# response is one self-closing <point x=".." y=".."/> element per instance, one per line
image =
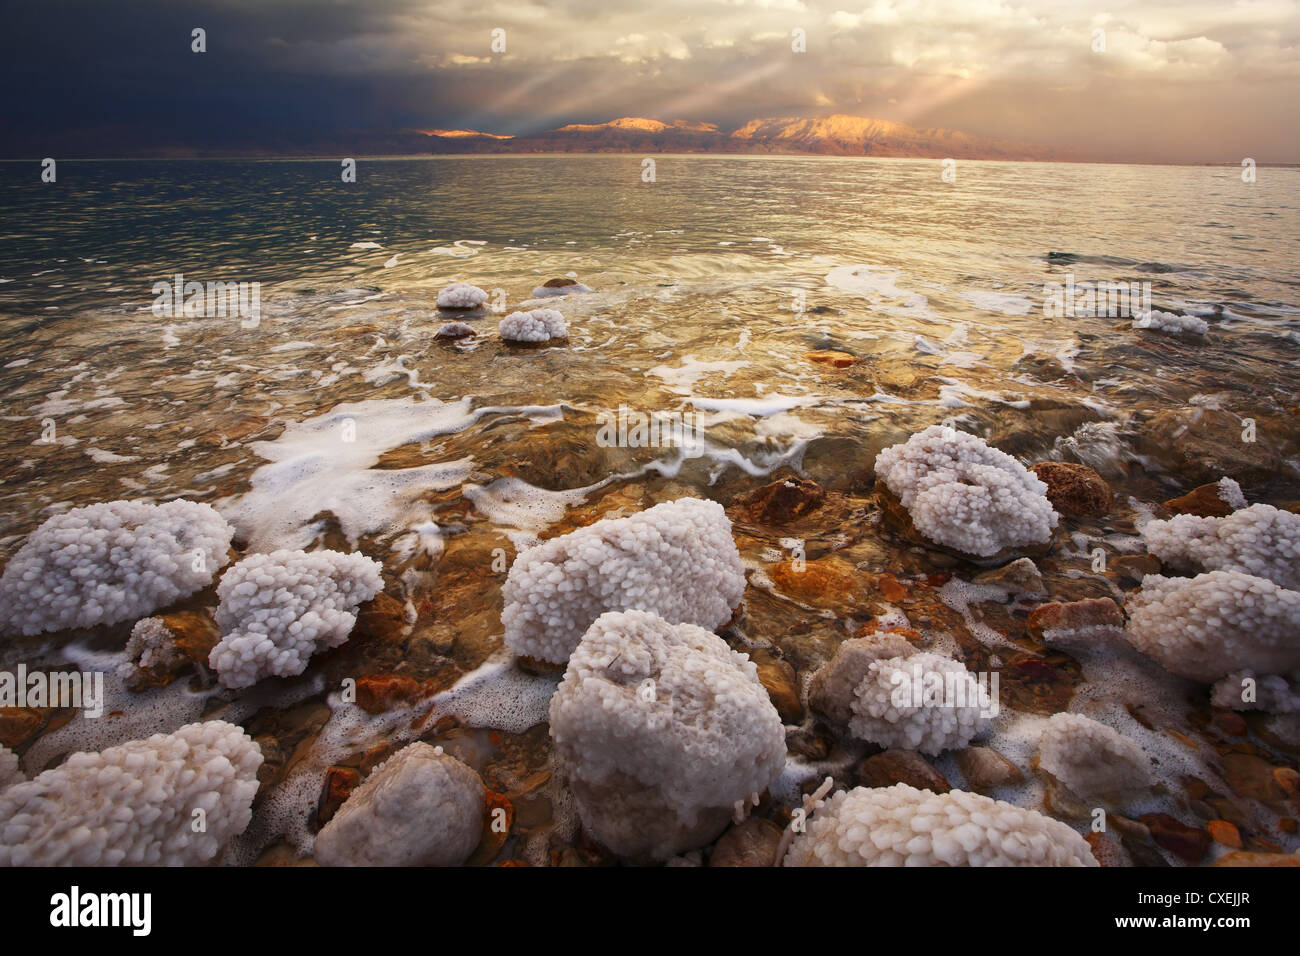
<point x="539" y="325"/>
<point x="676" y="559"/>
<point x="151" y="645"/>
<point x="903" y="826"/>
<point x="965" y="495"/>
<point x="890" y="709"/>
<point x="135" y="804"/>
<point x="1213" y="624"/>
<point x="453" y="330"/>
<point x="1260" y="540"/>
<point x="10" y="772"/>
<point x="1091" y="758"/>
<point x="279" y="609"/>
<point x="668" y="726"/>
<point x="1271" y="692"/>
<point x="420" y="807"/>
<point x="1157" y="321"/>
<point x="461" y="295"/>
<point x="111" y="562"/>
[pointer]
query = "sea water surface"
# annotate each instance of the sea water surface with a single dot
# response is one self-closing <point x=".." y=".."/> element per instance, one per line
<point x="338" y="419"/>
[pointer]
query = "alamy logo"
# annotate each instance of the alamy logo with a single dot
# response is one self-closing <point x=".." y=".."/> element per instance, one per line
<point x="628" y="428"/>
<point x="1085" y="300"/>
<point x="54" y="689"/>
<point x="214" y="300"/>
<point x="75" y="908"/>
<point x="926" y="688"/>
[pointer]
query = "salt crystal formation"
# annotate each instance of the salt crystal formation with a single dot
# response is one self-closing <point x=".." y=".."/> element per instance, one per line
<point x="151" y="645"/>
<point x="924" y="702"/>
<point x="676" y="559"/>
<point x="453" y="330"/>
<point x="460" y="295"/>
<point x="903" y="826"/>
<point x="1091" y="758"/>
<point x="663" y="730"/>
<point x="1213" y="624"/>
<point x="831" y="692"/>
<point x="965" y="495"/>
<point x="1157" y="321"/>
<point x="539" y="325"/>
<point x="111" y="562"/>
<point x="135" y="804"/>
<point x="1246" y="690"/>
<point x="1230" y="494"/>
<point x="420" y="807"/>
<point x="1260" y="540"/>
<point x="279" y="609"/>
<point x="10" y="772"/>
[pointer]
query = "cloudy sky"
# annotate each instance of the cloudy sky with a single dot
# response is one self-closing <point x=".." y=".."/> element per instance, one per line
<point x="1189" y="80"/>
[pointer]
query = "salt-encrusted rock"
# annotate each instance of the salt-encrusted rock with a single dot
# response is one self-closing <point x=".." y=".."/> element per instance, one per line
<point x="420" y="807"/>
<point x="676" y="559"/>
<point x="663" y="730"/>
<point x="1218" y="499"/>
<point x="1077" y="623"/>
<point x="111" y="562"/>
<point x="1157" y="321"/>
<point x="924" y="702"/>
<point x="1021" y="578"/>
<point x="1213" y="624"/>
<point x="560" y="286"/>
<point x="453" y="330"/>
<point x="831" y="690"/>
<point x="279" y="609"/>
<point x="460" y="295"/>
<point x="781" y="501"/>
<point x="903" y="826"/>
<point x="1246" y="690"/>
<point x="135" y="804"/>
<point x="962" y="494"/>
<point x="10" y="772"/>
<point x="1260" y="540"/>
<point x="539" y="325"/>
<point x="1074" y="489"/>
<point x="1091" y="758"/>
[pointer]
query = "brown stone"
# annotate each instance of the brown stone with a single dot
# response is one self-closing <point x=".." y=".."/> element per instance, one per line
<point x="379" y="692"/>
<point x="1189" y="844"/>
<point x="831" y="358"/>
<point x="1135" y="567"/>
<point x="1287" y="825"/>
<point x="824" y="582"/>
<point x="1225" y="833"/>
<point x="498" y="819"/>
<point x="1234" y="725"/>
<point x="1203" y="501"/>
<point x="780" y="502"/>
<point x="901" y="766"/>
<point x="559" y="283"/>
<point x="751" y="843"/>
<point x="1108" y="852"/>
<point x="194" y="635"/>
<point x="1258" y="859"/>
<point x="1073" y="489"/>
<point x="1253" y="777"/>
<point x="1288" y="779"/>
<point x="830" y="692"/>
<point x="382" y="619"/>
<point x="1074" y="615"/>
<point x="985" y="769"/>
<point x="20" y="724"/>
<point x="339" y="784"/>
<point x="888" y="587"/>
<point x="782" y="686"/>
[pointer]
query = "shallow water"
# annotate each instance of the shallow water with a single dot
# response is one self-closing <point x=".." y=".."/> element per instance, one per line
<point x="711" y="286"/>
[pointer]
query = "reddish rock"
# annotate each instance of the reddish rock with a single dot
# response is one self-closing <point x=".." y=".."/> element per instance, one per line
<point x="826" y="582"/>
<point x="1234" y="725"/>
<point x="1287" y="825"/>
<point x="1073" y="489"/>
<point x="498" y="818"/>
<point x="339" y="784"/>
<point x="1258" y="859"/>
<point x="752" y="843"/>
<point x="901" y="766"/>
<point x="379" y="692"/>
<point x="20" y="724"/>
<point x="1189" y="844"/>
<point x="1203" y="501"/>
<point x="1108" y="852"/>
<point x="832" y="358"/>
<point x="1288" y="779"/>
<point x="1225" y="833"/>
<point x="1135" y="567"/>
<point x="888" y="587"/>
<point x="780" y="502"/>
<point x="1075" y="615"/>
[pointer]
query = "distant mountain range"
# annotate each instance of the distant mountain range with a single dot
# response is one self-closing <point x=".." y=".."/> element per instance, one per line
<point x="837" y="135"/>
